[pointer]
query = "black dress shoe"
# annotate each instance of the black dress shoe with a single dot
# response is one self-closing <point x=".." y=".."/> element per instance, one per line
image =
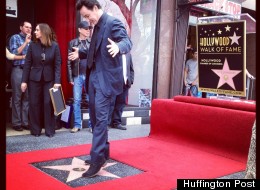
<point x="88" y="162"/>
<point x="50" y="136"/>
<point x="58" y="127"/>
<point x="119" y="127"/>
<point x="36" y="135"/>
<point x="93" y="170"/>
<point x="26" y="127"/>
<point x="18" y="128"/>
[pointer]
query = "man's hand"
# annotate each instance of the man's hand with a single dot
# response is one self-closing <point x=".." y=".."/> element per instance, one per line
<point x="28" y="38"/>
<point x="23" y="87"/>
<point x="113" y="49"/>
<point x="74" y="55"/>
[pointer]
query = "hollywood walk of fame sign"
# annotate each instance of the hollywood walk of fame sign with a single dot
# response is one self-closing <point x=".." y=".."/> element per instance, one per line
<point x="221" y="58"/>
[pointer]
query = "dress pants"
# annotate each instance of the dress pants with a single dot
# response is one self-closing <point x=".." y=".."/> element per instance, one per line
<point x="99" y="105"/>
<point x="20" y="103"/>
<point x="40" y="107"/>
<point x="116" y="109"/>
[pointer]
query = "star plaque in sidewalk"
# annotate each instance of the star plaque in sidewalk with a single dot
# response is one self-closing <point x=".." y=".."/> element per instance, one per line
<point x="70" y="170"/>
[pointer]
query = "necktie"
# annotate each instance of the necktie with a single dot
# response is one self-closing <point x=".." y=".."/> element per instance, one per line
<point x="92" y="47"/>
<point x="124" y="67"/>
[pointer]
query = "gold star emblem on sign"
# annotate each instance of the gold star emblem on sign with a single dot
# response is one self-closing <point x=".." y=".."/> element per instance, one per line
<point x="78" y="167"/>
<point x="227" y="28"/>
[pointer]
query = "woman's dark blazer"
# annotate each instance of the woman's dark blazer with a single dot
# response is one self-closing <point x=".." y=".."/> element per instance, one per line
<point x="35" y="67"/>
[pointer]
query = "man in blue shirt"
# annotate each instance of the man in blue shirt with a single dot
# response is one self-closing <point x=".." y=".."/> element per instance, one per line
<point x="18" y="45"/>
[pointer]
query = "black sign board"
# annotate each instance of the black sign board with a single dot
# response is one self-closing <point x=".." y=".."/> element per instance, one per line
<point x="193" y="2"/>
<point x="58" y="101"/>
<point x="221" y="58"/>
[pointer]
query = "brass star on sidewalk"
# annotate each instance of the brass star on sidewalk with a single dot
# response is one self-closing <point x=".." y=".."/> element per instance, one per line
<point x="78" y="167"/>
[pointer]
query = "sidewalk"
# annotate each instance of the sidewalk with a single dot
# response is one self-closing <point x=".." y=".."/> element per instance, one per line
<point x="21" y="141"/>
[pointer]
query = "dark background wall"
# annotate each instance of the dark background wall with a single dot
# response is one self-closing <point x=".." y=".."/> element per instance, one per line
<point x="25" y="11"/>
<point x="59" y="14"/>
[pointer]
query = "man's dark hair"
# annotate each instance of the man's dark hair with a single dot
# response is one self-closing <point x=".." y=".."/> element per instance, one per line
<point x="22" y="23"/>
<point x="193" y="50"/>
<point x="87" y="3"/>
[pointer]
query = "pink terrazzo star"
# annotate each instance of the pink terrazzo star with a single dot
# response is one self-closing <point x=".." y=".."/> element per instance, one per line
<point x="78" y="167"/>
<point x="226" y="75"/>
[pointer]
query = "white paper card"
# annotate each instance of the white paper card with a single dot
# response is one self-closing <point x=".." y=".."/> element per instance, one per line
<point x="65" y="114"/>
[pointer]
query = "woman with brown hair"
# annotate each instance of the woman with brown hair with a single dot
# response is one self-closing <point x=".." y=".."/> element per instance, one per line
<point x="42" y="71"/>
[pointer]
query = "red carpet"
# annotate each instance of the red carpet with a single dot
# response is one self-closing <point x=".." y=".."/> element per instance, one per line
<point x="162" y="162"/>
<point x="222" y="131"/>
<point x="187" y="140"/>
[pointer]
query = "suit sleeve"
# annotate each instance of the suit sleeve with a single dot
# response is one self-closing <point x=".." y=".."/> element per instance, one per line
<point x="57" y="67"/>
<point x="69" y="69"/>
<point x="27" y="65"/>
<point x="120" y="36"/>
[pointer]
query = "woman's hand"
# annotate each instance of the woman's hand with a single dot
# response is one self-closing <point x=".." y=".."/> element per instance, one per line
<point x="56" y="86"/>
<point x="23" y="87"/>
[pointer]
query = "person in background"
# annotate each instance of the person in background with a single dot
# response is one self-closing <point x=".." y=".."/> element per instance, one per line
<point x="108" y="42"/>
<point x="18" y="45"/>
<point x="42" y="71"/>
<point x="11" y="56"/>
<point x="191" y="75"/>
<point x="120" y="101"/>
<point x="76" y="72"/>
<point x="249" y="75"/>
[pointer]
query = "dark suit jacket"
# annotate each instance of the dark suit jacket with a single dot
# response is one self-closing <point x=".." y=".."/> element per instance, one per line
<point x="109" y="69"/>
<point x="34" y="69"/>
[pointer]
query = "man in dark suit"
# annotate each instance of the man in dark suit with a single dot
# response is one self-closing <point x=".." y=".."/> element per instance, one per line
<point x="108" y="42"/>
<point x="119" y="102"/>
